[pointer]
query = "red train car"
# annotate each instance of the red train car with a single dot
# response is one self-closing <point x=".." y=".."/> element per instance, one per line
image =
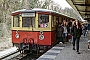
<point x="35" y="28"/>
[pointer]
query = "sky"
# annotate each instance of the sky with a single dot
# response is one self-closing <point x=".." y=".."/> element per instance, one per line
<point x="63" y="3"/>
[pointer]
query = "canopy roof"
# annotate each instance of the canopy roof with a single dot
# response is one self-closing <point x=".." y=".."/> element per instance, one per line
<point x="81" y="6"/>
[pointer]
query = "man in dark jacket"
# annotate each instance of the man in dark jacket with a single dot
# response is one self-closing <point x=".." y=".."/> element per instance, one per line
<point x="60" y="33"/>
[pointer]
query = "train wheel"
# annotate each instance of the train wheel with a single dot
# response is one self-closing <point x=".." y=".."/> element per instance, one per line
<point x="21" y="51"/>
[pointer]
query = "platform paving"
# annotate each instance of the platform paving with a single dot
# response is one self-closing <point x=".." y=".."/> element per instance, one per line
<point x="52" y="53"/>
<point x="68" y="54"/>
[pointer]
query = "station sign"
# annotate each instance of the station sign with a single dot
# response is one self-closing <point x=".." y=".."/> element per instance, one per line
<point x="28" y="14"/>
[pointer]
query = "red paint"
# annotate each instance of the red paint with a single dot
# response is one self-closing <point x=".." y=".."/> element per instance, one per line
<point x="49" y="37"/>
<point x="16" y="13"/>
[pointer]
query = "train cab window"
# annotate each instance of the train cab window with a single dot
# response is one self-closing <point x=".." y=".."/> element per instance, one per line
<point x="28" y="22"/>
<point x="28" y="19"/>
<point x="43" y="21"/>
<point x="16" y="21"/>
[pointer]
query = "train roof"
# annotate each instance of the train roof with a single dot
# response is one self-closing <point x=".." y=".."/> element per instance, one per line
<point x="33" y="10"/>
<point x="40" y="10"/>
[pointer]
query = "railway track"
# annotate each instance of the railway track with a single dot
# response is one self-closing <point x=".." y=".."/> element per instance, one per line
<point x="29" y="56"/>
<point x="8" y="57"/>
<point x="14" y="54"/>
<point x="9" y="53"/>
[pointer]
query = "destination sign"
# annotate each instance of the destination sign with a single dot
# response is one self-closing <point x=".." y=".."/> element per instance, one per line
<point x="28" y="14"/>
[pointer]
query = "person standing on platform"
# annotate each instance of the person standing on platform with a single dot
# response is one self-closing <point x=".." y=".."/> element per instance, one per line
<point x="60" y="33"/>
<point x="70" y="30"/>
<point x="73" y="24"/>
<point x="65" y="26"/>
<point x="70" y="26"/>
<point x="77" y="32"/>
<point x="84" y="30"/>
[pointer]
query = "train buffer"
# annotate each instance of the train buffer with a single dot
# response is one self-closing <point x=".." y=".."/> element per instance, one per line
<point x="7" y="52"/>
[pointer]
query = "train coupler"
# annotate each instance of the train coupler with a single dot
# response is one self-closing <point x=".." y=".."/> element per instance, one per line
<point x="27" y="44"/>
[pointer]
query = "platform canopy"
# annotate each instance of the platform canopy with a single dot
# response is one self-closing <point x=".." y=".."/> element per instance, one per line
<point x="82" y="7"/>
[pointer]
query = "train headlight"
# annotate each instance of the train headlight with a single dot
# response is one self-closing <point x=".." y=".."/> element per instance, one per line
<point x="17" y="35"/>
<point x="41" y="37"/>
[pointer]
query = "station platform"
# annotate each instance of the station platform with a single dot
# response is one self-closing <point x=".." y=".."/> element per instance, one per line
<point x="66" y="51"/>
<point x="8" y="52"/>
<point x="52" y="53"/>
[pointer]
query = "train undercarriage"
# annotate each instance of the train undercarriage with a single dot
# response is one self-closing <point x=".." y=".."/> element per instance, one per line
<point x="29" y="47"/>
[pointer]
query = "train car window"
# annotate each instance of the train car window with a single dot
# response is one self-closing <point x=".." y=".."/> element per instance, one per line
<point x="57" y="20"/>
<point x="43" y="20"/>
<point x="28" y="22"/>
<point x="16" y="22"/>
<point x="52" y="21"/>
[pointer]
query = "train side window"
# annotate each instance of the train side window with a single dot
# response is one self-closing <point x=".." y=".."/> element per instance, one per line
<point x="16" y="21"/>
<point x="57" y="20"/>
<point x="43" y="20"/>
<point x="28" y="22"/>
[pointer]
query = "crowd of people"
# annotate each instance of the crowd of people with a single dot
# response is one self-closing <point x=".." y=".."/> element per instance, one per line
<point x="72" y="28"/>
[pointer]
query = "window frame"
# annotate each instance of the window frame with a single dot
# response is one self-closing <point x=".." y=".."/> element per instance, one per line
<point x="18" y="21"/>
<point x="31" y="24"/>
<point x="45" y="22"/>
<point x="53" y="20"/>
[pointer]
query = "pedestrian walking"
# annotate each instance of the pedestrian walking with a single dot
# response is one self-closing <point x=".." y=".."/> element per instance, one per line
<point x="77" y="32"/>
<point x="70" y="24"/>
<point x="73" y="24"/>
